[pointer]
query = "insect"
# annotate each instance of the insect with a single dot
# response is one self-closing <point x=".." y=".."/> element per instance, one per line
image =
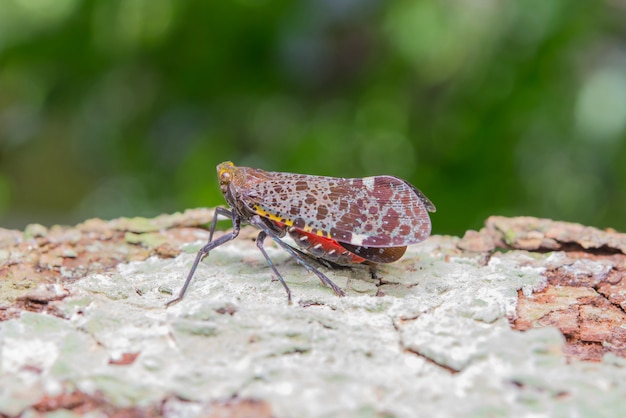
<point x="344" y="221"/>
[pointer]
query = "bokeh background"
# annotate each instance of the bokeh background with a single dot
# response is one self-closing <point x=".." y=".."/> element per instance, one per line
<point x="124" y="107"/>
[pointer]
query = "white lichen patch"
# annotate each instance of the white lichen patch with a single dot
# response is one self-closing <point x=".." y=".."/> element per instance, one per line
<point x="438" y="343"/>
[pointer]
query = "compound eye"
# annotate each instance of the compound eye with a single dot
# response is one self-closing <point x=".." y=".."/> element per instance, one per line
<point x="225" y="177"/>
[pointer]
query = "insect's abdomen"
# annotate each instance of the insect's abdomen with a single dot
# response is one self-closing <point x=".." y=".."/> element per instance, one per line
<point x="325" y="248"/>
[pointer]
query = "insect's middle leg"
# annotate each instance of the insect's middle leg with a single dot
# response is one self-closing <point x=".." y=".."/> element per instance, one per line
<point x="258" y="222"/>
<point x="259" y="243"/>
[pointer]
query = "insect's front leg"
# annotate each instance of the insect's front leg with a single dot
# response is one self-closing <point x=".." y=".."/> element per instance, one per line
<point x="230" y="214"/>
<point x="204" y="251"/>
<point x="257" y="221"/>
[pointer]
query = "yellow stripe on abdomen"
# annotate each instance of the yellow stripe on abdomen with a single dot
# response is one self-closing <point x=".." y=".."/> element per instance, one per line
<point x="272" y="217"/>
<point x="289" y="222"/>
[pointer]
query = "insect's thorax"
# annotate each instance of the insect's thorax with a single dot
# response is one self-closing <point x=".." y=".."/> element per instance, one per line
<point x="238" y="182"/>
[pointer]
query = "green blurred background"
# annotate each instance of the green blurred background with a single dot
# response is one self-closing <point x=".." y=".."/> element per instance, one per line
<point x="124" y="107"/>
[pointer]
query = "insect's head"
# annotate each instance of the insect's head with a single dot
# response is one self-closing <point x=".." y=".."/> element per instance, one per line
<point x="225" y="174"/>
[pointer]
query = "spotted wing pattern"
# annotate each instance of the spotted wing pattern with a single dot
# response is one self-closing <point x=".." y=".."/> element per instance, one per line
<point x="382" y="211"/>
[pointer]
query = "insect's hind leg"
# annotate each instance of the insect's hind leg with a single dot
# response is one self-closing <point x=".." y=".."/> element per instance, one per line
<point x="326" y="263"/>
<point x="259" y="243"/>
<point x="257" y="221"/>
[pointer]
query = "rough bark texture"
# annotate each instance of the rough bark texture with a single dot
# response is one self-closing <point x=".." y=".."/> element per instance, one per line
<point x="526" y="316"/>
<point x="585" y="292"/>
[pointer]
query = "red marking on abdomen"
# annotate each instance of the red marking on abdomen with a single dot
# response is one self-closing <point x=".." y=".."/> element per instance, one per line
<point x="327" y="248"/>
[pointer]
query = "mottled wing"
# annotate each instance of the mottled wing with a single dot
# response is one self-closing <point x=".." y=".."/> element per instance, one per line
<point x="380" y="211"/>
